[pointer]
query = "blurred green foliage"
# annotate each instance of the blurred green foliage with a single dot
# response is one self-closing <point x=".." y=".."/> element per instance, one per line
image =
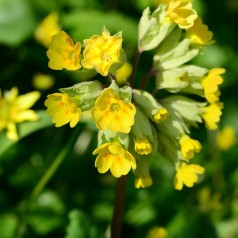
<point x="77" y="202"/>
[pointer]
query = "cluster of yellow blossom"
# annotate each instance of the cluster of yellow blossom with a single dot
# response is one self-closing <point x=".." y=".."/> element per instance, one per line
<point x="133" y="123"/>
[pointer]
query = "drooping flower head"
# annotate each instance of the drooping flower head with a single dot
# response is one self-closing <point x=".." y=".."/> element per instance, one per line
<point x="189" y="146"/>
<point x="112" y="156"/>
<point x="187" y="174"/>
<point x="143" y="146"/>
<point x="15" y="109"/>
<point x="111" y="112"/>
<point x="211" y="115"/>
<point x="63" y="109"/>
<point x="47" y="28"/>
<point x="199" y="33"/>
<point x="180" y="12"/>
<point x="102" y="51"/>
<point x="63" y="53"/>
<point x="210" y="84"/>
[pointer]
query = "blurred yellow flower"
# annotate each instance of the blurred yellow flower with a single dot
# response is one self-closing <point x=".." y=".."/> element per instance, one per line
<point x="199" y="33"/>
<point x="143" y="146"/>
<point x="110" y="112"/>
<point x="209" y="202"/>
<point x="63" y="109"/>
<point x="63" y="54"/>
<point x="187" y="174"/>
<point x="123" y="73"/>
<point x="189" y="147"/>
<point x="160" y="115"/>
<point x="112" y="156"/>
<point x="101" y="52"/>
<point x="47" y="28"/>
<point x="42" y="81"/>
<point x="211" y="115"/>
<point x="210" y="84"/>
<point x="157" y="232"/>
<point x="180" y="12"/>
<point x="226" y="138"/>
<point x="15" y="109"/>
<point x="143" y="181"/>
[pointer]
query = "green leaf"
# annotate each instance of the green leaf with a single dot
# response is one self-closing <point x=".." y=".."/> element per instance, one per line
<point x="83" y="24"/>
<point x="25" y="129"/>
<point x="8" y="225"/>
<point x="17" y="21"/>
<point x="80" y="226"/>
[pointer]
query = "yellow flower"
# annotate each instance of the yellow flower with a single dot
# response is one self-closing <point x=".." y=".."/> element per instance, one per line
<point x="47" y="28"/>
<point x="63" y="54"/>
<point x="112" y="156"/>
<point x="157" y="232"/>
<point x="211" y="115"/>
<point x="110" y="112"/>
<point x="15" y="109"/>
<point x="123" y="73"/>
<point x="180" y="12"/>
<point x="187" y="174"/>
<point x="143" y="181"/>
<point x="43" y="81"/>
<point x="143" y="146"/>
<point x="199" y="33"/>
<point x="189" y="147"/>
<point x="210" y="84"/>
<point x="160" y="115"/>
<point x="63" y="109"/>
<point x="101" y="52"/>
<point x="226" y="138"/>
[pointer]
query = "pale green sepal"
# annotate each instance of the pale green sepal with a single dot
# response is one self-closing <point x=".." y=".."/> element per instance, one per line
<point x="175" y="57"/>
<point x="195" y="74"/>
<point x="114" y="86"/>
<point x="116" y="66"/>
<point x="125" y="93"/>
<point x="189" y="109"/>
<point x="146" y="102"/>
<point x="85" y="93"/>
<point x="172" y="80"/>
<point x="173" y="63"/>
<point x="174" y="125"/>
<point x="142" y="126"/>
<point x="143" y="170"/>
<point x="152" y="30"/>
<point x="169" y="147"/>
<point x="105" y="136"/>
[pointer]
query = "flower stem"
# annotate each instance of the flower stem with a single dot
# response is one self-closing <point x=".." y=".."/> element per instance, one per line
<point x="55" y="165"/>
<point x="136" y="60"/>
<point x="118" y="207"/>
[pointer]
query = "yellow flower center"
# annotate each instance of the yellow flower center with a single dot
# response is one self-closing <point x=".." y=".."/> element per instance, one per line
<point x="107" y="57"/>
<point x="115" y="107"/>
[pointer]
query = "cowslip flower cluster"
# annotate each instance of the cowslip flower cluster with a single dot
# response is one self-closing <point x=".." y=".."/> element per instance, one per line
<point x="136" y="124"/>
<point x="15" y="109"/>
